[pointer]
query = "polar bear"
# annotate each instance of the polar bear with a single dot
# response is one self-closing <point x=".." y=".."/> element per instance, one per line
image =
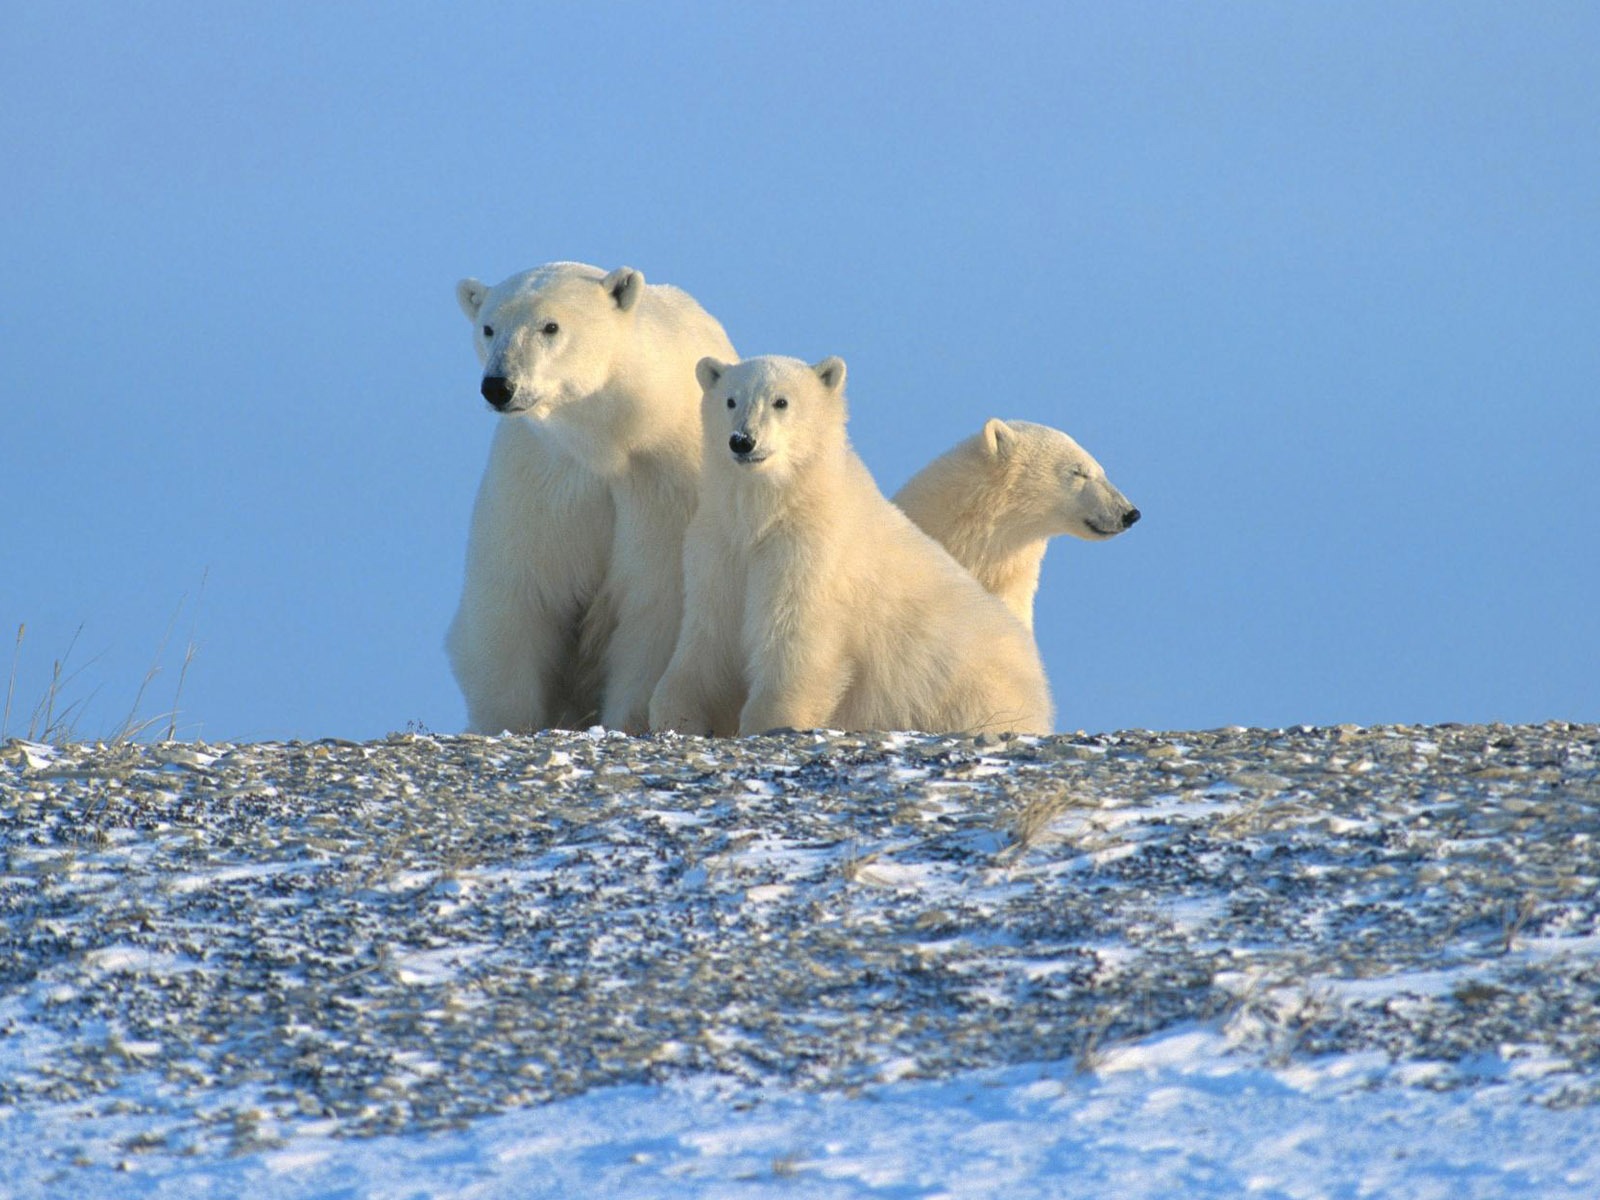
<point x="527" y="635"/>
<point x="995" y="499"/>
<point x="573" y="591"/>
<point x="811" y="601"/>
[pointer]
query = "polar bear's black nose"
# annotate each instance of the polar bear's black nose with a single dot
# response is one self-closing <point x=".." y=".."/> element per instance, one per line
<point x="498" y="390"/>
<point x="1129" y="517"/>
<point x="741" y="443"/>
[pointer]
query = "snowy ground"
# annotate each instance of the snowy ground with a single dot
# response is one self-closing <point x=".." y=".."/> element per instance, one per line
<point x="1174" y="1115"/>
<point x="1288" y="963"/>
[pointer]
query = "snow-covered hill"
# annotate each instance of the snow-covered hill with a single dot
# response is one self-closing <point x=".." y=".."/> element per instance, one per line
<point x="1308" y="961"/>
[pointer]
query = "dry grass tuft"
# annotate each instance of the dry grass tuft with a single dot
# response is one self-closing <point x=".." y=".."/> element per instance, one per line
<point x="56" y="721"/>
<point x="11" y="684"/>
<point x="1032" y="815"/>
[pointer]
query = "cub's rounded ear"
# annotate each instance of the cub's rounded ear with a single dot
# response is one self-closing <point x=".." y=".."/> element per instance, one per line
<point x="470" y="294"/>
<point x="998" y="437"/>
<point x="831" y="371"/>
<point x="625" y="286"/>
<point x="709" y="372"/>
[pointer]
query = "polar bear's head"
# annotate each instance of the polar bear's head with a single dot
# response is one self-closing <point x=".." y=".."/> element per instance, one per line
<point x="550" y="336"/>
<point x="767" y="417"/>
<point x="1050" y="484"/>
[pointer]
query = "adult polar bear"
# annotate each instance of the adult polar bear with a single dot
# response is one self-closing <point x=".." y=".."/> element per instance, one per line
<point x="574" y="576"/>
<point x="994" y="501"/>
<point x="812" y="601"/>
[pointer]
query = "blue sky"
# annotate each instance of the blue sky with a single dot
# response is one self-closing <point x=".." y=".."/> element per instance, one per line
<point x="1318" y="284"/>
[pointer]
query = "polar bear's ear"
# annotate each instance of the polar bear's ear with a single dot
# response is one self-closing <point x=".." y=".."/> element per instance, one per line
<point x="625" y="286"/>
<point x="470" y="294"/>
<point x="998" y="437"/>
<point x="831" y="371"/>
<point x="709" y="371"/>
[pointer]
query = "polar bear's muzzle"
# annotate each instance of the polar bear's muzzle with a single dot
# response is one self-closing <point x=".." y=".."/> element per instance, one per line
<point x="1125" y="521"/>
<point x="743" y="447"/>
<point x="498" y="391"/>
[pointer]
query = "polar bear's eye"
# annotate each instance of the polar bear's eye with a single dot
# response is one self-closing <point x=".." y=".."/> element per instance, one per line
<point x="488" y="331"/>
<point x="780" y="402"/>
<point x="550" y="329"/>
<point x="730" y="401"/>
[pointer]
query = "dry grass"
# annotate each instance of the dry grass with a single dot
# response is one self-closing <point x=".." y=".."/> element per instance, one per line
<point x="1033" y="813"/>
<point x="55" y="719"/>
<point x="857" y="867"/>
<point x="1515" y="919"/>
<point x="49" y="722"/>
<point x="11" y="683"/>
<point x="1088" y="1056"/>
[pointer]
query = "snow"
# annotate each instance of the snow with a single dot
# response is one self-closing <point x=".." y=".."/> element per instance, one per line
<point x="575" y="965"/>
<point x="1178" y="1114"/>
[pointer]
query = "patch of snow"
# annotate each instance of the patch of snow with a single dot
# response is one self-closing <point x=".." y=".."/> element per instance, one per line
<point x="197" y="881"/>
<point x="435" y="966"/>
<point x="767" y="893"/>
<point x="109" y="960"/>
<point x="1174" y="1115"/>
<point x="908" y="877"/>
<point x="1382" y="988"/>
<point x="37" y="755"/>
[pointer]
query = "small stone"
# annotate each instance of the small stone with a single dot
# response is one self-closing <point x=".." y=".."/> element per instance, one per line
<point x="1260" y="781"/>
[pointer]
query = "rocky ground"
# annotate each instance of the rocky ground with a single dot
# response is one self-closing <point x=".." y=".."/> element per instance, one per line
<point x="405" y="935"/>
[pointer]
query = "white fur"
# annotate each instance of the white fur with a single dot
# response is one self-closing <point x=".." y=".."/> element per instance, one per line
<point x="814" y="602"/>
<point x="536" y="557"/>
<point x="573" y="589"/>
<point x="995" y="500"/>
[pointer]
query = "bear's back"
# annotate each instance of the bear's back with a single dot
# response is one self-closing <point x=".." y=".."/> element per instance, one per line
<point x="933" y="648"/>
<point x="673" y="317"/>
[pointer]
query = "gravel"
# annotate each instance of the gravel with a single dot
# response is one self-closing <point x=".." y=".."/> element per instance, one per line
<point x="403" y="935"/>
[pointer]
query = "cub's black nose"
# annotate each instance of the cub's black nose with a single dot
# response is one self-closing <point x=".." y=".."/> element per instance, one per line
<point x="498" y="390"/>
<point x="741" y="443"/>
<point x="1129" y="517"/>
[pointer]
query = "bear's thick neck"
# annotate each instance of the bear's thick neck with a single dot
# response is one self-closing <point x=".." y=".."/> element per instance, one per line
<point x="1000" y="551"/>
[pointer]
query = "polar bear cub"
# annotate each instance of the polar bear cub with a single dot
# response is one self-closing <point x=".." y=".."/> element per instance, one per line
<point x="811" y="601"/>
<point x="573" y="587"/>
<point x="997" y="498"/>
